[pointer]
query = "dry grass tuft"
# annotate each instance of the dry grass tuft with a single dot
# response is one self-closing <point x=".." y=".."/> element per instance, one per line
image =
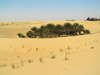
<point x="52" y="57"/>
<point x="41" y="59"/>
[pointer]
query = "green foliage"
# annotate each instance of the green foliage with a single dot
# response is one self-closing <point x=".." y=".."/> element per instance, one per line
<point x="51" y="30"/>
<point x="80" y="27"/>
<point x="87" y="31"/>
<point x="68" y="48"/>
<point x="35" y="31"/>
<point x="22" y="46"/>
<point x="3" y="65"/>
<point x="67" y="26"/>
<point x="66" y="58"/>
<point x="30" y="61"/>
<point x="13" y="65"/>
<point x="93" y="19"/>
<point x="41" y="59"/>
<point x="21" y="35"/>
<point x="30" y="34"/>
<point x="61" y="50"/>
<point x="50" y="27"/>
<point x="92" y="47"/>
<point x="42" y="31"/>
<point x="52" y="57"/>
<point x="58" y="29"/>
<point x="36" y="49"/>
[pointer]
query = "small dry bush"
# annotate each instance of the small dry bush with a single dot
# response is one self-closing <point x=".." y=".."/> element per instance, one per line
<point x="30" y="61"/>
<point x="52" y="57"/>
<point x="41" y="59"/>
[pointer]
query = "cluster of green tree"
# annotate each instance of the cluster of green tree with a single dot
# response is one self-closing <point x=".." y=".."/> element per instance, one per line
<point x="93" y="19"/>
<point x="51" y="30"/>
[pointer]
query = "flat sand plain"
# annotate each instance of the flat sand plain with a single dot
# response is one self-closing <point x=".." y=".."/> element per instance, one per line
<point x="72" y="55"/>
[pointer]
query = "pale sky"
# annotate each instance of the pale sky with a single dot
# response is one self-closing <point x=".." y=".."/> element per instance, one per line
<point x="48" y="10"/>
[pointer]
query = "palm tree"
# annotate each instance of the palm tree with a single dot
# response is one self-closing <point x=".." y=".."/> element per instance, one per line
<point x="67" y="27"/>
<point x="42" y="31"/>
<point x="75" y="27"/>
<point x="58" y="29"/>
<point x="35" y="31"/>
<point x="50" y="28"/>
<point x="88" y="19"/>
<point x="30" y="34"/>
<point x="80" y="28"/>
<point x="45" y="31"/>
<point x="71" y="30"/>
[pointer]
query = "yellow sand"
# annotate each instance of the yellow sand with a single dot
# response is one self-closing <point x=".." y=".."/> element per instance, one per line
<point x="82" y="51"/>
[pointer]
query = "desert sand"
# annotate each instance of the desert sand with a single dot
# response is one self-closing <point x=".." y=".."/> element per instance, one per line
<point x="72" y="55"/>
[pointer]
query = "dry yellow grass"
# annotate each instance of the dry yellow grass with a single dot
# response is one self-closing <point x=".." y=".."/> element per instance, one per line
<point x="82" y="51"/>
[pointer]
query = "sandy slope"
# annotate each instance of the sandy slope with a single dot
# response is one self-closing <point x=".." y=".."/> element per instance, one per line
<point x="82" y="52"/>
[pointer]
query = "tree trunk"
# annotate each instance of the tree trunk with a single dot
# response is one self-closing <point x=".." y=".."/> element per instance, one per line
<point x="79" y="32"/>
<point x="65" y="32"/>
<point x="35" y="36"/>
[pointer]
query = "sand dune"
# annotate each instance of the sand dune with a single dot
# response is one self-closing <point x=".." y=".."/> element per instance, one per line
<point x="75" y="55"/>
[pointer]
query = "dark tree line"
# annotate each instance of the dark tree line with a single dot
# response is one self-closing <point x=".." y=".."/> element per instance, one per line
<point x="93" y="19"/>
<point x="51" y="30"/>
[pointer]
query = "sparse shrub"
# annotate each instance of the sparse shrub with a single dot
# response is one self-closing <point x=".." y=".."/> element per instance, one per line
<point x="21" y="35"/>
<point x="92" y="47"/>
<point x="52" y="57"/>
<point x="87" y="31"/>
<point x="36" y="49"/>
<point x="13" y="65"/>
<point x="30" y="61"/>
<point x="22" y="46"/>
<point x="66" y="58"/>
<point x="61" y="50"/>
<point x="41" y="59"/>
<point x="68" y="48"/>
<point x="3" y="65"/>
